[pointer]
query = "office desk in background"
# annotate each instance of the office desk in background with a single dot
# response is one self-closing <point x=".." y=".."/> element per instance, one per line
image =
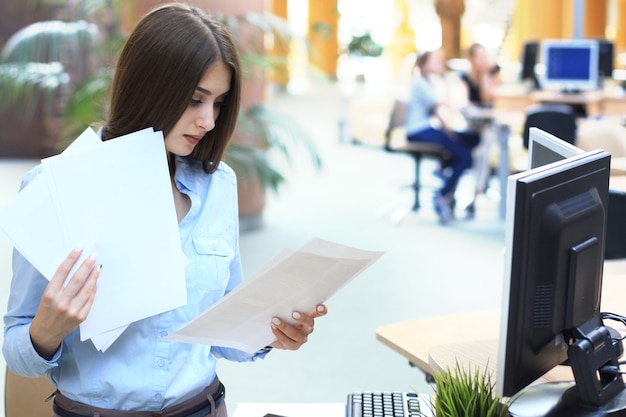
<point x="509" y="113"/>
<point x="597" y="102"/>
<point x="435" y="343"/>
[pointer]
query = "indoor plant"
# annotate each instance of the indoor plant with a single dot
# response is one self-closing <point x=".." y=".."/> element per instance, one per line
<point x="462" y="392"/>
<point x="261" y="131"/>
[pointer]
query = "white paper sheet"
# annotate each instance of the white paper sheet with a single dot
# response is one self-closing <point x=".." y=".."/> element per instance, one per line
<point x="31" y="215"/>
<point x="113" y="199"/>
<point x="292" y="281"/>
<point x="117" y="203"/>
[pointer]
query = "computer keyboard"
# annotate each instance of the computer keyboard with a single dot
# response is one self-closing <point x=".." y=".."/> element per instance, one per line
<point x="388" y="404"/>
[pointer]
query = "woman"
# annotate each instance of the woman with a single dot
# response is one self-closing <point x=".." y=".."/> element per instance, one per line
<point x="178" y="73"/>
<point x="482" y="78"/>
<point x="481" y="82"/>
<point x="424" y="105"/>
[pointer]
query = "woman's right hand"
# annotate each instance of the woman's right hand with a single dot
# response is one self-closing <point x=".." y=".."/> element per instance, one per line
<point x="64" y="307"/>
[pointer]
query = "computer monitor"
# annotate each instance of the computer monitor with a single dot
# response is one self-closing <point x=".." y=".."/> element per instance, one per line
<point x="605" y="58"/>
<point x="554" y="253"/>
<point x="545" y="148"/>
<point x="529" y="60"/>
<point x="570" y="65"/>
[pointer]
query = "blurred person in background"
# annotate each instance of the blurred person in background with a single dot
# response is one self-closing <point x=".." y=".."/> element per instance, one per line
<point x="431" y="119"/>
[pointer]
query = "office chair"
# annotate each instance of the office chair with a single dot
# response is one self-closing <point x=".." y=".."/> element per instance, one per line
<point x="607" y="134"/>
<point x="557" y="119"/>
<point x="27" y="396"/>
<point x="417" y="150"/>
<point x="615" y="247"/>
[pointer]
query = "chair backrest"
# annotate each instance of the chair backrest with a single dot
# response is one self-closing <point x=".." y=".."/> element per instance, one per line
<point x="616" y="226"/>
<point x="606" y="134"/>
<point x="396" y="119"/>
<point x="557" y="119"/>
<point x="26" y="397"/>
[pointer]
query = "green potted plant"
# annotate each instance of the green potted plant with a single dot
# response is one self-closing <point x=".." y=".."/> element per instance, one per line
<point x="467" y="392"/>
<point x="261" y="134"/>
<point x="364" y="45"/>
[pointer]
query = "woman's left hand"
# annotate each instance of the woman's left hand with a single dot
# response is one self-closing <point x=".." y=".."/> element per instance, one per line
<point x="292" y="336"/>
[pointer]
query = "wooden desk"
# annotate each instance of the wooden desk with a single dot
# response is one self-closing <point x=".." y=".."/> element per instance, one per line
<point x="474" y="335"/>
<point x="597" y="103"/>
<point x="614" y="105"/>
<point x="591" y="100"/>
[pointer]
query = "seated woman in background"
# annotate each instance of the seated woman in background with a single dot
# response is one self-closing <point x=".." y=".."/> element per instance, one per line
<point x="482" y="78"/>
<point x="481" y="82"/>
<point x="424" y="106"/>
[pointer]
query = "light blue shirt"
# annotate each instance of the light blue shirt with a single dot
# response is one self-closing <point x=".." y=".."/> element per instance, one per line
<point x="140" y="371"/>
<point x="423" y="99"/>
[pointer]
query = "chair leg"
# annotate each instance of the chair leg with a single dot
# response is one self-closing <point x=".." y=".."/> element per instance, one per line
<point x="416" y="184"/>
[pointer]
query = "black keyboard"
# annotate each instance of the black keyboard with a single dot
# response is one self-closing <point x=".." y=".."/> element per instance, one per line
<point x="388" y="404"/>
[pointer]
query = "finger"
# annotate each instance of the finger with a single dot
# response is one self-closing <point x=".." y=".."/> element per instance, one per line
<point x="320" y="310"/>
<point x="86" y="294"/>
<point x="283" y="340"/>
<point x="303" y="322"/>
<point x="297" y="333"/>
<point x="62" y="272"/>
<point x="84" y="310"/>
<point x="82" y="273"/>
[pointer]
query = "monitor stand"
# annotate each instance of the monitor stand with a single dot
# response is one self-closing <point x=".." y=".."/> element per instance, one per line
<point x="598" y="391"/>
<point x="560" y="399"/>
<point x="571" y="91"/>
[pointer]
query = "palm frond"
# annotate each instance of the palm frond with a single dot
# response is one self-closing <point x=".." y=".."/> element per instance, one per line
<point x="251" y="164"/>
<point x="87" y="104"/>
<point x="31" y="68"/>
<point x="279" y="131"/>
<point x="48" y="41"/>
<point x="26" y="85"/>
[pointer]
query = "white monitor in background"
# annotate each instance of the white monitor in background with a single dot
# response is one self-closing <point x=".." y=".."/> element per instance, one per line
<point x="545" y="148"/>
<point x="570" y="65"/>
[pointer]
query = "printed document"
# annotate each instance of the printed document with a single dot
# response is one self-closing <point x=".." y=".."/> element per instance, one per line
<point x="293" y="281"/>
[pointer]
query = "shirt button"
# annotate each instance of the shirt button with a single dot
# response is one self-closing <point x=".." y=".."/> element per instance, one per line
<point x="160" y="362"/>
<point x="163" y="334"/>
<point x="158" y="397"/>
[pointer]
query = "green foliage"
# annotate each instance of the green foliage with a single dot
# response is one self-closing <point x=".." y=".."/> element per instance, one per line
<point x="25" y="85"/>
<point x="364" y="45"/>
<point x="278" y="134"/>
<point x="31" y="72"/>
<point x="47" y="41"/>
<point x="467" y="393"/>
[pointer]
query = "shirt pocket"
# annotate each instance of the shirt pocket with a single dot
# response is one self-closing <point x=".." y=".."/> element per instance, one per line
<point x="213" y="256"/>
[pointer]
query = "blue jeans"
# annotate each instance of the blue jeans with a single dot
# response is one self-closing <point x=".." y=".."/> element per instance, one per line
<point x="460" y="147"/>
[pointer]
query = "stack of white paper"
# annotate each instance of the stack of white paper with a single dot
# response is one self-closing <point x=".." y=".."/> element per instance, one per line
<point x="113" y="199"/>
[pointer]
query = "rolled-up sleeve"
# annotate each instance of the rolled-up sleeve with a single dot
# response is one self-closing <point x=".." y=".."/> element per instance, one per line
<point x="27" y="287"/>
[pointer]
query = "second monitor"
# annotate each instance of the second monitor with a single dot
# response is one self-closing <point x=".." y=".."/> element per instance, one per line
<point x="570" y="65"/>
<point x="555" y="233"/>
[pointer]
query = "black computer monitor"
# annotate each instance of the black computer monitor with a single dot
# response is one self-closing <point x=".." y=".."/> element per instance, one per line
<point x="529" y="60"/>
<point x="555" y="237"/>
<point x="605" y="58"/>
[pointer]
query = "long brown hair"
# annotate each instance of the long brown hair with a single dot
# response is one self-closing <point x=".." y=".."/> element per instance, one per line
<point x="422" y="59"/>
<point x="158" y="70"/>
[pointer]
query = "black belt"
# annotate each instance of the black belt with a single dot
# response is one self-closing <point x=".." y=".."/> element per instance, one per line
<point x="196" y="407"/>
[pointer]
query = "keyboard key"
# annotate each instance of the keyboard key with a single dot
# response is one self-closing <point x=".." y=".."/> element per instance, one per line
<point x="387" y="404"/>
